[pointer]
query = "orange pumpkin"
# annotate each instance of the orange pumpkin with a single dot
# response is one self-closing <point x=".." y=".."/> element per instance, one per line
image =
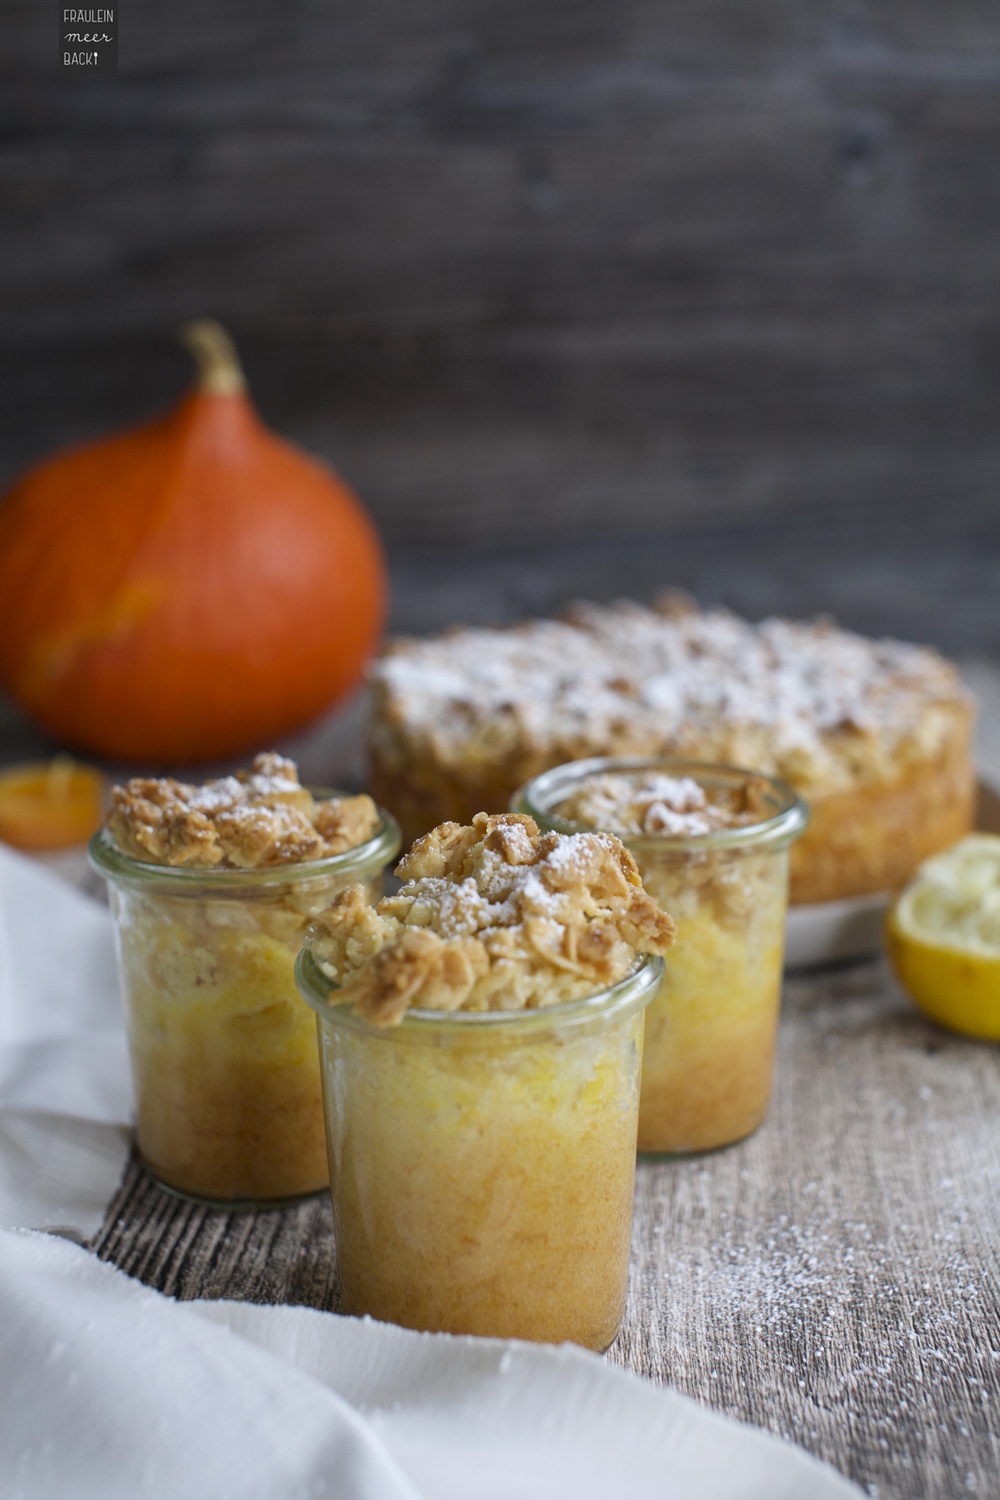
<point x="187" y="589"/>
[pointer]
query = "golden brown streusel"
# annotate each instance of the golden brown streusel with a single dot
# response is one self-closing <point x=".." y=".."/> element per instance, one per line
<point x="493" y="916"/>
<point x="649" y="802"/>
<point x="257" y="818"/>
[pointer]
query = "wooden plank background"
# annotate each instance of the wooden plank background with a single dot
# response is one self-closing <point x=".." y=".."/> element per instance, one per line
<point x="524" y="268"/>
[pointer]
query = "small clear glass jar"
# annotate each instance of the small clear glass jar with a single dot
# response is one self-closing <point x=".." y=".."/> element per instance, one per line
<point x="224" y="1060"/>
<point x="482" y="1163"/>
<point x="710" y="1032"/>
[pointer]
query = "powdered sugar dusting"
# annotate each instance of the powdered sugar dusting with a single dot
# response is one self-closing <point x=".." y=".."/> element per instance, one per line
<point x="554" y="886"/>
<point x="259" y="817"/>
<point x="493" y="916"/>
<point x="215" y="796"/>
<point x="625" y="679"/>
<point x="648" y="802"/>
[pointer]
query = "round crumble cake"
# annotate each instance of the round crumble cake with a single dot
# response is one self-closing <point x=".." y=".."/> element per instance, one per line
<point x="874" y="734"/>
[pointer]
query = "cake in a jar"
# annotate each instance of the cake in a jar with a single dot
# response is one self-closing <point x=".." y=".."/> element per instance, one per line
<point x="712" y="847"/>
<point x="874" y="734"/>
<point x="481" y="1046"/>
<point x="212" y="888"/>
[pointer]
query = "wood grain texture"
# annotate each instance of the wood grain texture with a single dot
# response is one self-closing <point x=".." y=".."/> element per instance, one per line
<point x="187" y="1252"/>
<point x="517" y="265"/>
<point x="833" y="1279"/>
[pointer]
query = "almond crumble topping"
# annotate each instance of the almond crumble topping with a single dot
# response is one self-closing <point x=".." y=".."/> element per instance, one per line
<point x="496" y="916"/>
<point x="819" y="706"/>
<point x="254" y="819"/>
<point x="652" y="803"/>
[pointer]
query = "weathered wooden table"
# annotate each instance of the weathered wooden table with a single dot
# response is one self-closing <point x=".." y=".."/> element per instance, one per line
<point x="834" y="1279"/>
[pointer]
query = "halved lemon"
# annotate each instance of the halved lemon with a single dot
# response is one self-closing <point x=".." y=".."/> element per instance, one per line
<point x="943" y="936"/>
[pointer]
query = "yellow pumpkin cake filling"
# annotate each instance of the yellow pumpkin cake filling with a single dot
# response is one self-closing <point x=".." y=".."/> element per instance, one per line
<point x="212" y="889"/>
<point x="481" y="1041"/>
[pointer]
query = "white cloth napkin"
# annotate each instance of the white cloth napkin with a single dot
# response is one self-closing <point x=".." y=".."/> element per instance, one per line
<point x="111" y="1391"/>
<point x="65" y="1089"/>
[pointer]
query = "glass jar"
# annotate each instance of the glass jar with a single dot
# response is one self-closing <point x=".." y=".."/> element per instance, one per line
<point x="224" y="1060"/>
<point x="482" y="1163"/>
<point x="710" y="1032"/>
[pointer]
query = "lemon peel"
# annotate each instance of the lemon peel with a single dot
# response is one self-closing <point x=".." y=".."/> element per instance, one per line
<point x="943" y="937"/>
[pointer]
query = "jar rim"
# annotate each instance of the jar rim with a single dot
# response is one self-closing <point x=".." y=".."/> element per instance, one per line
<point x="634" y="989"/>
<point x="121" y="869"/>
<point x="786" y="823"/>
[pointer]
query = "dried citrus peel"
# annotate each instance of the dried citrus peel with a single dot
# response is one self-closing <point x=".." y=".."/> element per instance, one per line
<point x="50" y="805"/>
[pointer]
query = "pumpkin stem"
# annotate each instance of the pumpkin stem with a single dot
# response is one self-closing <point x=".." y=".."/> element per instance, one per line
<point x="219" y="370"/>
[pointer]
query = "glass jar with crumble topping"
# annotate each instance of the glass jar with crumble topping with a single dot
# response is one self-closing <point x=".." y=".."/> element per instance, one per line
<point x="482" y="1163"/>
<point x="711" y="843"/>
<point x="481" y="1049"/>
<point x="211" y="890"/>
